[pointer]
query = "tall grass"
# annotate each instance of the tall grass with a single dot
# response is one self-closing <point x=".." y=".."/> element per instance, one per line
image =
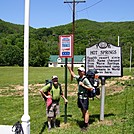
<point x="119" y="108"/>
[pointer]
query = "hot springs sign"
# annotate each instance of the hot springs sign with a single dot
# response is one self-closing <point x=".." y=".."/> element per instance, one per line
<point x="106" y="58"/>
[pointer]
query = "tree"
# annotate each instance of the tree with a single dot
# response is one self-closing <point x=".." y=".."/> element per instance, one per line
<point x="12" y="55"/>
<point x="39" y="55"/>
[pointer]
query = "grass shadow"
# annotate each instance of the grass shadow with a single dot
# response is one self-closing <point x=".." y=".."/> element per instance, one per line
<point x="67" y="115"/>
<point x="80" y="123"/>
<point x="66" y="118"/>
<point x="57" y="123"/>
<point x="45" y="125"/>
<point x="92" y="119"/>
<point x="97" y="116"/>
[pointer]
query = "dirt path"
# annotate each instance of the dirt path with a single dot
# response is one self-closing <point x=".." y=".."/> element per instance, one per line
<point x="112" y="86"/>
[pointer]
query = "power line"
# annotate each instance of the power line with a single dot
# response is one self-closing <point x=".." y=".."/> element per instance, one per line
<point x="90" y="6"/>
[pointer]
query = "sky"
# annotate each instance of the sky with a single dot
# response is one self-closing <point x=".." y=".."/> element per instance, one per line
<point x="51" y="13"/>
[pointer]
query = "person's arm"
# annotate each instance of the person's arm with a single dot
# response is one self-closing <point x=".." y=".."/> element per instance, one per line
<point x="70" y="70"/>
<point x="45" y="89"/>
<point x="64" y="98"/>
<point x="85" y="86"/>
<point x="62" y="95"/>
<point x="43" y="94"/>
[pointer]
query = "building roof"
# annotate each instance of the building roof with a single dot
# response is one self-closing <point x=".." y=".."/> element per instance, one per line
<point x="77" y="58"/>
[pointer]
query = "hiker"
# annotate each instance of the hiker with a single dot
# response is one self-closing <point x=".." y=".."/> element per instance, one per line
<point x="54" y="92"/>
<point x="83" y="87"/>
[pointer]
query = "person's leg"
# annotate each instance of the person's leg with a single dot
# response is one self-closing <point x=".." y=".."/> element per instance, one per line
<point x="49" y="123"/>
<point x="54" y="122"/>
<point x="50" y="115"/>
<point x="79" y="104"/>
<point x="85" y="115"/>
<point x="85" y="112"/>
<point x="82" y="111"/>
<point x="86" y="118"/>
<point x="56" y="112"/>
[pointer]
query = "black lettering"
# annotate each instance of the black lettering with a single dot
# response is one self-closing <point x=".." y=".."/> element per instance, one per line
<point x="93" y="52"/>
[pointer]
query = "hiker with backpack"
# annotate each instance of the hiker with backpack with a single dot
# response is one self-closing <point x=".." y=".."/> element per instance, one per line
<point x="83" y="86"/>
<point x="51" y="92"/>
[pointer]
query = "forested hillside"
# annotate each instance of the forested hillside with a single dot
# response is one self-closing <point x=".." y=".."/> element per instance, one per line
<point x="44" y="41"/>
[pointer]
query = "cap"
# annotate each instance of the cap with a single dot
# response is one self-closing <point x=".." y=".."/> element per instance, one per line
<point x="81" y="69"/>
<point x="54" y="77"/>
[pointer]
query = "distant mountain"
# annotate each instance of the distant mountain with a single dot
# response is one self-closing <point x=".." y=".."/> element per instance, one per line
<point x="44" y="41"/>
<point x="10" y="28"/>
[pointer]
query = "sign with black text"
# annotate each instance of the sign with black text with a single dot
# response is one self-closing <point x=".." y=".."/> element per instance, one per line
<point x="106" y="58"/>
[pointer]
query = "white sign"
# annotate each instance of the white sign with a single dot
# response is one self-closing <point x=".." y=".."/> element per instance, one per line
<point x="106" y="58"/>
<point x="66" y="46"/>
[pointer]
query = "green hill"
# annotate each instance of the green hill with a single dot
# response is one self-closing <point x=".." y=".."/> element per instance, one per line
<point x="44" y="41"/>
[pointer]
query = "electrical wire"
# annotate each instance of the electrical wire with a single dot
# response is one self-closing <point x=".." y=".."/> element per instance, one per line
<point x="90" y="6"/>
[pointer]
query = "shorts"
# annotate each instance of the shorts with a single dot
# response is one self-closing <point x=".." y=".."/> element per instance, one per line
<point x="53" y="110"/>
<point x="83" y="103"/>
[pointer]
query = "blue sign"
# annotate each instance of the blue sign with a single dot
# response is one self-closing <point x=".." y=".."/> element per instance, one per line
<point x="65" y="53"/>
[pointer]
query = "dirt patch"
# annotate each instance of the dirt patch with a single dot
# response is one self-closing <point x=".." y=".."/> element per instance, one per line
<point x="106" y="122"/>
<point x="116" y="85"/>
<point x="63" y="125"/>
<point x="112" y="86"/>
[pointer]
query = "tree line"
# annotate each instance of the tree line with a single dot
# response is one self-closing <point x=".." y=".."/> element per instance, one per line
<point x="43" y="42"/>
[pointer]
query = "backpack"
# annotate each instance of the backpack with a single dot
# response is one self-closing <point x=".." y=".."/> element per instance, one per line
<point x="90" y="94"/>
<point x="94" y="80"/>
<point x="17" y="128"/>
<point x="90" y="75"/>
<point x="51" y="83"/>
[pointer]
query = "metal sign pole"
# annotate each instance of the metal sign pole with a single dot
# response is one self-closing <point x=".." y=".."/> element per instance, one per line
<point x="65" y="118"/>
<point x="102" y="98"/>
<point x="65" y="43"/>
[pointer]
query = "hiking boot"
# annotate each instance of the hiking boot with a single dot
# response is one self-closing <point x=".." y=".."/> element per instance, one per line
<point x="49" y="129"/>
<point x="83" y="129"/>
<point x="86" y="125"/>
<point x="54" y="125"/>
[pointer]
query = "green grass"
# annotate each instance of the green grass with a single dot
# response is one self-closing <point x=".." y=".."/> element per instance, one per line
<point x="119" y="114"/>
<point x="14" y="75"/>
<point x="119" y="108"/>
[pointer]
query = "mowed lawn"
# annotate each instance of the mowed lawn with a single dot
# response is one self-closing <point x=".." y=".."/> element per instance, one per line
<point x="14" y="75"/>
<point x="119" y="107"/>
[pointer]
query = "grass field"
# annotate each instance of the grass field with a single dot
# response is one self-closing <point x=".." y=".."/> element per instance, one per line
<point x="119" y="106"/>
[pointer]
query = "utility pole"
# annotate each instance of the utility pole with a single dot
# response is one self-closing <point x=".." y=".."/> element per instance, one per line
<point x="130" y="57"/>
<point x="73" y="32"/>
<point x="73" y="25"/>
<point x="118" y="40"/>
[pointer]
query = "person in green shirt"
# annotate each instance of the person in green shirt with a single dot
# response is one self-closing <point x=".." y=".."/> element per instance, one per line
<point x="54" y="92"/>
<point x="83" y="86"/>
